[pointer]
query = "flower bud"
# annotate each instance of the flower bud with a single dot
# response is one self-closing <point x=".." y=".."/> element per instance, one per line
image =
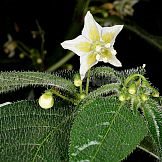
<point x="77" y="80"/>
<point x="39" y="61"/>
<point x="46" y="100"/>
<point x="82" y="96"/>
<point x="155" y="94"/>
<point x="122" y="97"/>
<point x="132" y="89"/>
<point x="21" y="55"/>
<point x="144" y="97"/>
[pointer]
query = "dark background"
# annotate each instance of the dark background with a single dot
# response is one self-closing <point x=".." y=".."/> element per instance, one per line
<point x="55" y="17"/>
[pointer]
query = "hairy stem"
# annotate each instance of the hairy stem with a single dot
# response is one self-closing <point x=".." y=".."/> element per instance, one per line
<point x="81" y="90"/>
<point x="133" y="76"/>
<point x="61" y="96"/>
<point x="87" y="83"/>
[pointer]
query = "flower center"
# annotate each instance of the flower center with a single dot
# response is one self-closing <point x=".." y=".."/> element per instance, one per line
<point x="102" y="51"/>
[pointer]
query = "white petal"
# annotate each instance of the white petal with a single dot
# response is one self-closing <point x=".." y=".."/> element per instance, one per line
<point x="91" y="30"/>
<point x="86" y="62"/>
<point x="109" y="34"/>
<point x="113" y="51"/>
<point x="80" y="45"/>
<point x="114" y="61"/>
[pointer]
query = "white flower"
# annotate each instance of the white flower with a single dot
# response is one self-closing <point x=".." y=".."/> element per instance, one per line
<point x="94" y="45"/>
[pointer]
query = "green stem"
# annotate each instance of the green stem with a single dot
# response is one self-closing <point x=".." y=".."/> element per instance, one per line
<point x="88" y="79"/>
<point x="81" y="90"/>
<point x="61" y="62"/>
<point x="133" y="76"/>
<point x="61" y="96"/>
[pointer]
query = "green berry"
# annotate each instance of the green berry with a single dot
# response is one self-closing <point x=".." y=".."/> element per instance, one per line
<point x="77" y="80"/>
<point x="155" y="94"/>
<point x="46" y="101"/>
<point x="82" y="96"/>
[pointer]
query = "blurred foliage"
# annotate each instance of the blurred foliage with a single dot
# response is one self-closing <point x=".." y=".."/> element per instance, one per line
<point x="13" y="47"/>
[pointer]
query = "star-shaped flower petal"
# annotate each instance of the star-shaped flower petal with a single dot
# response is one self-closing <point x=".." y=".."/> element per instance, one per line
<point x="94" y="44"/>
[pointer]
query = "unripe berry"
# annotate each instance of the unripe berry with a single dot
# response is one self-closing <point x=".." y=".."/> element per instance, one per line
<point x="77" y="80"/>
<point x="82" y="96"/>
<point x="46" y="101"/>
<point x="155" y="94"/>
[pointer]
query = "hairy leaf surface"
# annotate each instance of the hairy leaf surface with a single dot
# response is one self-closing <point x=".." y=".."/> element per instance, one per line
<point x="29" y="133"/>
<point x="10" y="81"/>
<point x="153" y="115"/>
<point x="105" y="130"/>
<point x="103" y="75"/>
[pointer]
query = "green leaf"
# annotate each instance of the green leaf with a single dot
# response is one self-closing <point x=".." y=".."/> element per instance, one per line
<point x="153" y="115"/>
<point x="30" y="133"/>
<point x="125" y="73"/>
<point x="10" y="81"/>
<point x="107" y="89"/>
<point x="105" y="130"/>
<point x="104" y="75"/>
